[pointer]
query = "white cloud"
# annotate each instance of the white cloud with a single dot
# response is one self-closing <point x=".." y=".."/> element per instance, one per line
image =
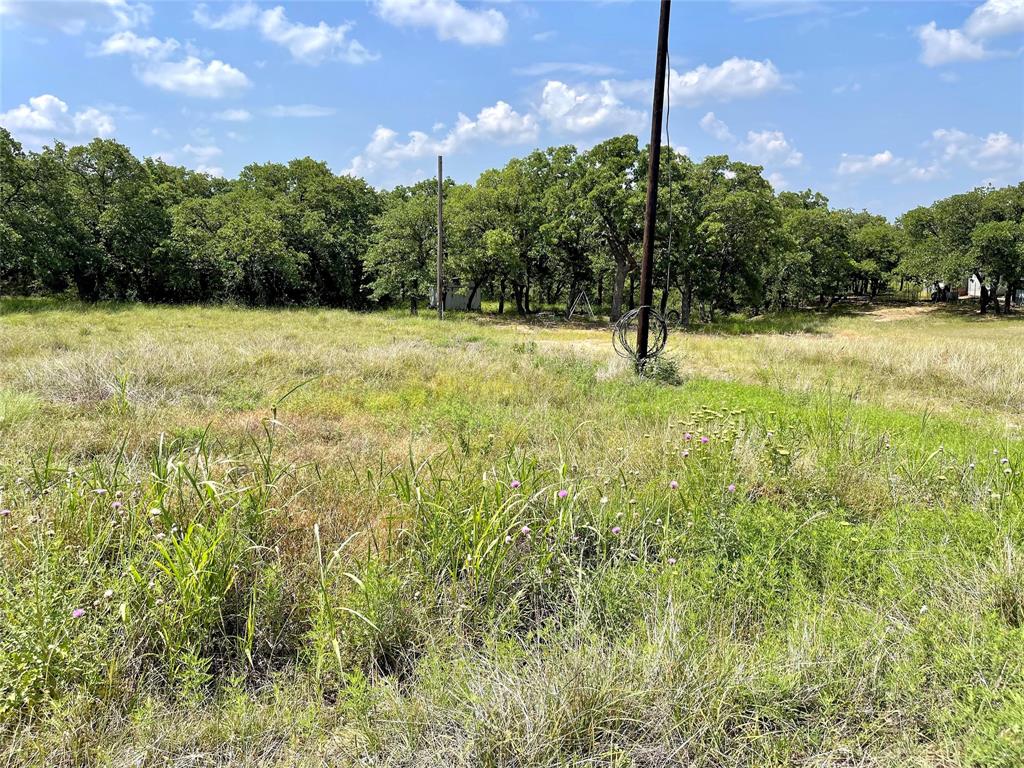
<point x="450" y="20"/>
<point x="191" y="76"/>
<point x="308" y="44"/>
<point x="544" y="68"/>
<point x="942" y="46"/>
<point x="994" y="152"/>
<point x="996" y="18"/>
<point x="203" y="153"/>
<point x="236" y="17"/>
<point x="128" y="42"/>
<point x="578" y="109"/>
<point x="42" y="113"/>
<point x="991" y="19"/>
<point x="856" y="165"/>
<point x="75" y="16"/>
<point x="46" y="117"/>
<point x="498" y="124"/>
<point x="93" y="122"/>
<point x="300" y="110"/>
<point x="213" y="170"/>
<point x="734" y="78"/>
<point x="712" y="125"/>
<point x="233" y="115"/>
<point x="777" y="180"/>
<point x="194" y="77"/>
<point x="768" y="147"/>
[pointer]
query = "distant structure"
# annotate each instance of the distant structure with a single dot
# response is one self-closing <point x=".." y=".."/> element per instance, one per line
<point x="453" y="299"/>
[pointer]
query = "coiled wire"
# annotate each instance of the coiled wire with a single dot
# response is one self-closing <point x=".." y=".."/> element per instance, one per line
<point x="624" y="335"/>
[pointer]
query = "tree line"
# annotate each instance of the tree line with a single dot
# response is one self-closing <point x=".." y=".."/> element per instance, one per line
<point x="97" y="221"/>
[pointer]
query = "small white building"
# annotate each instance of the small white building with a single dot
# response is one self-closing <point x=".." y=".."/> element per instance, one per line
<point x="455" y="299"/>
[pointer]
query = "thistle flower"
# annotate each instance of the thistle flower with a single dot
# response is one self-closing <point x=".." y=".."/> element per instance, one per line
<point x="78" y="613"/>
<point x="673" y="485"/>
<point x="686" y="454"/>
<point x="100" y="491"/>
<point x="687" y="436"/>
<point x="616" y="530"/>
<point x="563" y="493"/>
<point x="514" y="484"/>
<point x="116" y="505"/>
<point x="4" y="512"/>
<point x="732" y="488"/>
<point x="671" y="561"/>
<point x="704" y="439"/>
<point x="525" y="530"/>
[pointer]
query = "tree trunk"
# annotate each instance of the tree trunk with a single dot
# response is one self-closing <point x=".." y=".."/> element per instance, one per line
<point x="984" y="293"/>
<point x="517" y="292"/>
<point x="617" y="288"/>
<point x="472" y="294"/>
<point x="664" y="300"/>
<point x="412" y="305"/>
<point x="632" y="289"/>
<point x="501" y="298"/>
<point x="1011" y="287"/>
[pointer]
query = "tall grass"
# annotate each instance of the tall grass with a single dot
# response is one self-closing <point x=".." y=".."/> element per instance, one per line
<point x="711" y="574"/>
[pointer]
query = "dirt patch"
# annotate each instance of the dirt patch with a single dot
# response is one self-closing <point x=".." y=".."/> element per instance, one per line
<point x="888" y="314"/>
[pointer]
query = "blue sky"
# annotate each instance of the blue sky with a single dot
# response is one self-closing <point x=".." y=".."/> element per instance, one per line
<point x="880" y="105"/>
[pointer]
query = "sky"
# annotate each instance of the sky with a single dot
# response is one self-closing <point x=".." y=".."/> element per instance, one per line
<point x="879" y="105"/>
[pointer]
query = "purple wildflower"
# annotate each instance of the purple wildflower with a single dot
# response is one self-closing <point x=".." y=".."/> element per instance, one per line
<point x="116" y="505"/>
<point x="525" y="530"/>
<point x="563" y="493"/>
<point x="687" y="436"/>
<point x="732" y="488"/>
<point x="704" y="439"/>
<point x="673" y="485"/>
<point x="616" y="530"/>
<point x="4" y="512"/>
<point x="78" y="613"/>
<point x="514" y="484"/>
<point x="671" y="561"/>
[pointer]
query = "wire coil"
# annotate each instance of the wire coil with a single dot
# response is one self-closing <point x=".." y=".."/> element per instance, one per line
<point x="624" y="335"/>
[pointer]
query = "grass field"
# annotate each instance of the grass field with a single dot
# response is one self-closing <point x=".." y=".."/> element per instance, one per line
<point x="309" y="537"/>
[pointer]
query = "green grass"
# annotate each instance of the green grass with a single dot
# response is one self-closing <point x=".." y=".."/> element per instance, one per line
<point x="306" y="537"/>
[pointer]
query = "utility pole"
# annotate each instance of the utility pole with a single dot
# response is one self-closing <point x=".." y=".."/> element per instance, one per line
<point x="440" y="241"/>
<point x="653" y="170"/>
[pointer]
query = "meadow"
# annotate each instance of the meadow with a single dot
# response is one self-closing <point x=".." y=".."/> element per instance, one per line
<point x="315" y="537"/>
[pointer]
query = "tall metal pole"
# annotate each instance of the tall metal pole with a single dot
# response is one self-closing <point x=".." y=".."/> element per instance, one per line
<point x="653" y="170"/>
<point x="440" y="241"/>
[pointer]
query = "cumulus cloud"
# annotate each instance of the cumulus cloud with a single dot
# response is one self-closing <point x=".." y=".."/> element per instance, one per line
<point x="449" y="19"/>
<point x="203" y="153"/>
<point x="306" y="43"/>
<point x="194" y="77"/>
<point x="734" y="78"/>
<point x="769" y="147"/>
<point x="990" y="20"/>
<point x="75" y="16"/>
<point x="191" y="75"/>
<point x="855" y="165"/>
<point x="498" y="124"/>
<point x="712" y="125"/>
<point x="942" y="46"/>
<point x="997" y="151"/>
<point x="45" y="117"/>
<point x="128" y="42"/>
<point x="582" y="109"/>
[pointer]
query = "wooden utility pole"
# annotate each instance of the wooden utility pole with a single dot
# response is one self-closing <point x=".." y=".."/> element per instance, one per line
<point x="440" y="241"/>
<point x="653" y="169"/>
